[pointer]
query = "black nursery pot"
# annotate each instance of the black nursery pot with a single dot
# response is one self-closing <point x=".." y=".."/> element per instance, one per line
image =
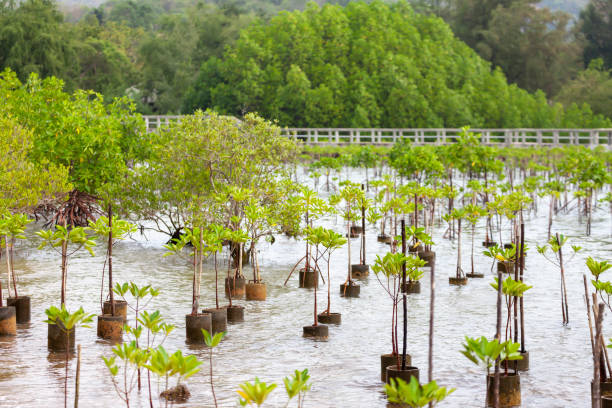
<point x="359" y="271"/>
<point x="235" y="314"/>
<point x="606" y="401"/>
<point x="411" y="287"/>
<point x="22" y="308"/>
<point x="331" y="318"/>
<point x="474" y="275"/>
<point x="56" y="338"/>
<point x="488" y="244"/>
<point x="349" y="290"/>
<point x="509" y="390"/>
<point x="394" y="372"/>
<point x="8" y="321"/>
<point x="194" y="325"/>
<point x="218" y="319"/>
<point x="308" y="278"/>
<point x="236" y="286"/>
<point x="319" y="332"/>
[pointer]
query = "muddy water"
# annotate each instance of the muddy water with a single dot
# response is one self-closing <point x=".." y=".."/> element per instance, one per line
<point x="269" y="344"/>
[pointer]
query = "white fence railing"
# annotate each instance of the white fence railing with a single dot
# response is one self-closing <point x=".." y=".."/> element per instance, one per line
<point x="508" y="137"/>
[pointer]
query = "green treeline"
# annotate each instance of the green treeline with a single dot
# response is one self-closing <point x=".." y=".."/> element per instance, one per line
<point x="369" y="66"/>
<point x="494" y="63"/>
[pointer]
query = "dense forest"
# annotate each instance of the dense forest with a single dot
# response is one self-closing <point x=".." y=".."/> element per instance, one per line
<point x="327" y="63"/>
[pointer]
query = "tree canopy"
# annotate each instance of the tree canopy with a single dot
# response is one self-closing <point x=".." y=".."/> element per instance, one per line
<point x="367" y="65"/>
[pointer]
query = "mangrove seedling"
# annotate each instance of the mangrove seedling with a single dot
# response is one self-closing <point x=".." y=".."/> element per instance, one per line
<point x="166" y="366"/>
<point x="12" y="227"/>
<point x="457" y="214"/>
<point x="67" y="322"/>
<point x="155" y="326"/>
<point x="472" y="214"/>
<point x="556" y="244"/>
<point x="512" y="290"/>
<point x="254" y="393"/>
<point x="602" y="288"/>
<point x="69" y="240"/>
<point x="193" y="237"/>
<point x="390" y="266"/>
<point x="483" y="352"/>
<point x="212" y="342"/>
<point x="142" y="296"/>
<point x="133" y="358"/>
<point x="351" y="194"/>
<point x="415" y="395"/>
<point x="331" y="242"/>
<point x="297" y="386"/>
<point x="111" y="229"/>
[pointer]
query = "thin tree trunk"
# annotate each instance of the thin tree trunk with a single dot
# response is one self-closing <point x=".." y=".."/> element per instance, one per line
<point x="564" y="288"/>
<point x="212" y="387"/>
<point x="78" y="378"/>
<point x="110" y="258"/>
<point x="598" y="310"/>
<point x="498" y="337"/>
<point x="404" y="301"/>
<point x="8" y="265"/>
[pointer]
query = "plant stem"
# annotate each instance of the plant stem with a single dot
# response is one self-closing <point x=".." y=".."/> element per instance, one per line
<point x="212" y="387"/>
<point x="78" y="378"/>
<point x="498" y="337"/>
<point x="110" y="258"/>
<point x="404" y="301"/>
<point x="216" y="282"/>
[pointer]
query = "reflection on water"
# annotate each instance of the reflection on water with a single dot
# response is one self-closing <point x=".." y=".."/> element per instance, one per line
<point x="344" y="369"/>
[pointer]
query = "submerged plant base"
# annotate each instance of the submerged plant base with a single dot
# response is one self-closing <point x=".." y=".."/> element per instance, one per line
<point x="8" y="321"/>
<point x="236" y="286"/>
<point x="120" y="308"/>
<point x="110" y="327"/>
<point x="458" y="281"/>
<point x="359" y="271"/>
<point x="356" y="230"/>
<point x="428" y="256"/>
<point x="331" y="318"/>
<point x="194" y="325"/>
<point x="605" y="388"/>
<point x="509" y="390"/>
<point x="56" y="338"/>
<point x="308" y="278"/>
<point x="394" y="372"/>
<point x="255" y="291"/>
<point x="475" y="275"/>
<point x="385" y="239"/>
<point x="320" y="331"/>
<point x="218" y="319"/>
<point x="180" y="393"/>
<point x="523" y="364"/>
<point x="349" y="290"/>
<point x="235" y="314"/>
<point x="411" y="287"/>
<point x="387" y="360"/>
<point x="505" y="267"/>
<point x="22" y="308"/>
